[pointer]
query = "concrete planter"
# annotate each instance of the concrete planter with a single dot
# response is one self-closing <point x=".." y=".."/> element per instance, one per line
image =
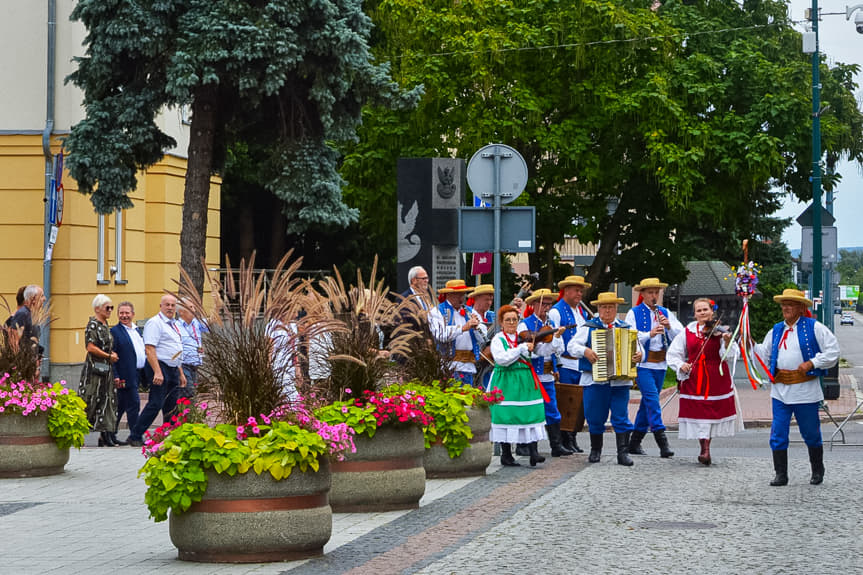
<point x="253" y="518"/>
<point x="385" y="474"/>
<point x="473" y="461"/>
<point x="27" y="449"/>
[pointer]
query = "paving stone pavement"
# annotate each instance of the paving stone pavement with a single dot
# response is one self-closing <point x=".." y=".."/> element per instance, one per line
<point x="563" y="516"/>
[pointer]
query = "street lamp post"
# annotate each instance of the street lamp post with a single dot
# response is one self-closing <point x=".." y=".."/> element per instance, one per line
<point x="816" y="166"/>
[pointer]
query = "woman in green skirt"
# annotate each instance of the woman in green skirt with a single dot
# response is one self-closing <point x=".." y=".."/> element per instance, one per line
<point x="520" y="417"/>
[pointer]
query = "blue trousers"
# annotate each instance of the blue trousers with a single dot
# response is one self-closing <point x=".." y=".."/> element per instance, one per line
<point x="162" y="397"/>
<point x="807" y="420"/>
<point x="599" y="399"/>
<point x="569" y="375"/>
<point x="191" y="373"/>
<point x="649" y="416"/>
<point x="552" y="414"/>
<point x="128" y="402"/>
<point x="464" y="377"/>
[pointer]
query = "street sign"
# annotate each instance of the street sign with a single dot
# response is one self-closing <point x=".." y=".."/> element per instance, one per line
<point x="476" y="229"/>
<point x="481" y="175"/>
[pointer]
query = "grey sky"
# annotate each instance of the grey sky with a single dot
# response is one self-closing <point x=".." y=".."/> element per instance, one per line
<point x="840" y="42"/>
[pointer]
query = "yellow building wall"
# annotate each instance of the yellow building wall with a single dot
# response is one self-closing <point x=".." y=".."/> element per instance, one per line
<point x="151" y="241"/>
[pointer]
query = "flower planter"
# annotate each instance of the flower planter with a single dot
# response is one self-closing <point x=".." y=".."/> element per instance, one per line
<point x="385" y="474"/>
<point x="251" y="518"/>
<point x="27" y="449"/>
<point x="473" y="461"/>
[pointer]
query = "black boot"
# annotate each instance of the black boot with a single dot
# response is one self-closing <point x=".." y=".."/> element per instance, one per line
<point x="105" y="439"/>
<point x="816" y="460"/>
<point x="595" y="447"/>
<point x="662" y="442"/>
<point x="623" y="449"/>
<point x="635" y="443"/>
<point x="574" y="443"/>
<point x="116" y="440"/>
<point x="554" y="440"/>
<point x="522" y="449"/>
<point x="506" y="458"/>
<point x="496" y="449"/>
<point x="535" y="457"/>
<point x="780" y="465"/>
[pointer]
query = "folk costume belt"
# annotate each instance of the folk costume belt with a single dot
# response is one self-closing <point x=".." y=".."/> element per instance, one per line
<point x="464" y="356"/>
<point x="656" y="356"/>
<point x="791" y="376"/>
<point x="547" y="367"/>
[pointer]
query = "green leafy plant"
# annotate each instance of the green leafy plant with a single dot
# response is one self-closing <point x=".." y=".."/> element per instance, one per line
<point x="67" y="420"/>
<point x="393" y="406"/>
<point x="176" y="477"/>
<point x="448" y="405"/>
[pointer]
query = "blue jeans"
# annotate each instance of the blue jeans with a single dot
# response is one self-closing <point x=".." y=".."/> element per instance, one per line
<point x="649" y="416"/>
<point x="599" y="399"/>
<point x="191" y="373"/>
<point x="807" y="421"/>
<point x="128" y="402"/>
<point x="162" y="397"/>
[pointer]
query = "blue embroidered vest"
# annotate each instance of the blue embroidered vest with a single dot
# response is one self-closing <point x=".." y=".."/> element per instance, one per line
<point x="644" y="318"/>
<point x="449" y="312"/>
<point x="806" y="338"/>
<point x="533" y="323"/>
<point x="567" y="318"/>
<point x="584" y="364"/>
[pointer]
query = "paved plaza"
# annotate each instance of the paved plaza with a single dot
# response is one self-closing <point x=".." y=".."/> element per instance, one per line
<point x="564" y="516"/>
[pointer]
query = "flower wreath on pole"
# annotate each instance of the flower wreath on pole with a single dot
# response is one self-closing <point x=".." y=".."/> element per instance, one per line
<point x="745" y="282"/>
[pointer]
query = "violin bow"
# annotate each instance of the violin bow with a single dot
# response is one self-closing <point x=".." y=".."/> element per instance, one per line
<point x="707" y="339"/>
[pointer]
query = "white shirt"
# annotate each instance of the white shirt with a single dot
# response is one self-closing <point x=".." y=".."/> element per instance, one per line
<point x="545" y="350"/>
<point x="655" y="343"/>
<point x="554" y="320"/>
<point x="790" y="357"/>
<point x="138" y="344"/>
<point x="677" y="354"/>
<point x="577" y="346"/>
<point x="164" y="335"/>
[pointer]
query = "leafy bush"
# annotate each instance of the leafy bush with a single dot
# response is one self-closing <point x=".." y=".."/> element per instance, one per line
<point x="67" y="420"/>
<point x="394" y="406"/>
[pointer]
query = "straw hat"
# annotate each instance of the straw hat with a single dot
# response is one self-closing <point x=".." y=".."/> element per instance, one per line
<point x="607" y="297"/>
<point x="793" y="295"/>
<point x="540" y="294"/>
<point x="648" y="283"/>
<point x="454" y="286"/>
<point x="482" y="289"/>
<point x="573" y="281"/>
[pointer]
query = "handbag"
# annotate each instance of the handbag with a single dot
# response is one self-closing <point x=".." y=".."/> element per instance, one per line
<point x="101" y="367"/>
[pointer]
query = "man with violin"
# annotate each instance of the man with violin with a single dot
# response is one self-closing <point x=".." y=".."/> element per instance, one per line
<point x="479" y="303"/>
<point x="657" y="327"/>
<point x="570" y="313"/>
<point x="461" y="333"/>
<point x="798" y="350"/>
<point x="547" y="344"/>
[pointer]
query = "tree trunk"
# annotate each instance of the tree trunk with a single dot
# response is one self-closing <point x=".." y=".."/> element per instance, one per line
<point x="193" y="236"/>
<point x="598" y="275"/>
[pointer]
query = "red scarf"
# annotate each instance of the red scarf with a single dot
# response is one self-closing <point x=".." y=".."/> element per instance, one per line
<point x="536" y="383"/>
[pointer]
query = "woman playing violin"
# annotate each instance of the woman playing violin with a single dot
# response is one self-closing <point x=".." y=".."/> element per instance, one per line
<point x="707" y="403"/>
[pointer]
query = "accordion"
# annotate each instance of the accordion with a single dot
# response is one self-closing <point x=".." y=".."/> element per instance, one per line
<point x="614" y="350"/>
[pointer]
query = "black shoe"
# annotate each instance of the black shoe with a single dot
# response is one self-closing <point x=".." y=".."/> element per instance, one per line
<point x="105" y="440"/>
<point x="816" y="461"/>
<point x="780" y="465"/>
<point x="535" y="457"/>
<point x="635" y="443"/>
<point x="116" y="440"/>
<point x="574" y="443"/>
<point x="522" y="449"/>
<point x="623" y="449"/>
<point x="134" y="443"/>
<point x="662" y="441"/>
<point x="554" y="440"/>
<point x="506" y="458"/>
<point x="595" y="448"/>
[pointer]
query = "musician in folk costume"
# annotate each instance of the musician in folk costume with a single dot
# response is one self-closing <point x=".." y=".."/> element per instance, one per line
<point x="460" y="332"/>
<point x="570" y="311"/>
<point x="480" y="301"/>
<point x="605" y="396"/>
<point x="520" y="417"/>
<point x="544" y="360"/>
<point x="657" y="328"/>
<point x="798" y="351"/>
<point x="707" y="403"/>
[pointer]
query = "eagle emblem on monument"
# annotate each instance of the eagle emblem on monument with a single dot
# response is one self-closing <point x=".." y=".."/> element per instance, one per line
<point x="409" y="243"/>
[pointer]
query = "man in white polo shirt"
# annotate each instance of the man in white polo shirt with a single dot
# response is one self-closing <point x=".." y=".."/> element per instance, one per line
<point x="164" y="349"/>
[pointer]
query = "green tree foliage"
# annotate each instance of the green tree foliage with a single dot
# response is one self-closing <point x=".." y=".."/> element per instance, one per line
<point x="689" y="115"/>
<point x="285" y="77"/>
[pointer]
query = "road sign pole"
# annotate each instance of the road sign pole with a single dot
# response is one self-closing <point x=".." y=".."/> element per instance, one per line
<point x="497" y="286"/>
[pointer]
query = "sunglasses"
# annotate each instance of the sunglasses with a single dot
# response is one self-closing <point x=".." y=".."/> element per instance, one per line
<point x="109" y="308"/>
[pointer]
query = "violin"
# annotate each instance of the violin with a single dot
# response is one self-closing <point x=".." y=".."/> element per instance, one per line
<point x="543" y="335"/>
<point x="712" y="328"/>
